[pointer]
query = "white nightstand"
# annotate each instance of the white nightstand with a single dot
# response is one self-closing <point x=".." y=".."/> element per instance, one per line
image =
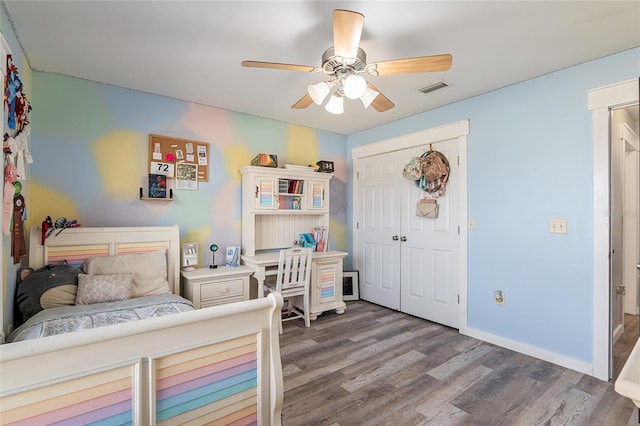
<point x="224" y="284"/>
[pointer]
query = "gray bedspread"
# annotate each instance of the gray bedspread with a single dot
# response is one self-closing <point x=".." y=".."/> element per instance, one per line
<point x="81" y="317"/>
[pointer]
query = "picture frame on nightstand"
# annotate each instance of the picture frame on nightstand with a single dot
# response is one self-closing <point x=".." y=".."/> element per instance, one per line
<point x="350" y="285"/>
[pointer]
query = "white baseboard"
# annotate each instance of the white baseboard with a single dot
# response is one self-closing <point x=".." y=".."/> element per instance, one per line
<point x="617" y="333"/>
<point x="561" y="360"/>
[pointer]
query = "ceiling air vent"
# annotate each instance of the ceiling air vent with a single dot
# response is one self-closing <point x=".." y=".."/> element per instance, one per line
<point x="439" y="85"/>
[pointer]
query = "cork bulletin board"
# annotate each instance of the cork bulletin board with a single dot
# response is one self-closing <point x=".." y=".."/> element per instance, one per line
<point x="165" y="152"/>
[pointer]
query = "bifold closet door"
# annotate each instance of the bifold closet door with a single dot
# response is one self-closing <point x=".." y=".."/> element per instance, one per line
<point x="378" y="228"/>
<point x="407" y="263"/>
<point x="429" y="277"/>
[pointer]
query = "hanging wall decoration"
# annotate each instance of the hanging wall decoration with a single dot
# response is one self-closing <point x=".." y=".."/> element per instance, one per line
<point x="16" y="155"/>
<point x="10" y="176"/>
<point x="435" y="173"/>
<point x="430" y="173"/>
<point x="18" y="244"/>
<point x="18" y="106"/>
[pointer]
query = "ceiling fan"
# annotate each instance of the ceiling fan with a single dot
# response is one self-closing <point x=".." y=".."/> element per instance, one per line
<point x="344" y="63"/>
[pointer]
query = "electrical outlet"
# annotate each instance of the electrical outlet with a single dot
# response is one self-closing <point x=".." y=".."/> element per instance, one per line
<point x="499" y="298"/>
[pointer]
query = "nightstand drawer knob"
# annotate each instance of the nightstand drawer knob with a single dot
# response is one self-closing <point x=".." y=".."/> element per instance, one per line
<point x="224" y="290"/>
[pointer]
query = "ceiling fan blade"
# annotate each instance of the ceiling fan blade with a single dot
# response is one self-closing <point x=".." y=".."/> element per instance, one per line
<point x="381" y="103"/>
<point x="276" y="65"/>
<point x="414" y="65"/>
<point x="304" y="102"/>
<point x="347" y="29"/>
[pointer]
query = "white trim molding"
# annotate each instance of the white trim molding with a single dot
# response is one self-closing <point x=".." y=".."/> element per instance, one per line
<point x="441" y="133"/>
<point x="600" y="102"/>
<point x="563" y="361"/>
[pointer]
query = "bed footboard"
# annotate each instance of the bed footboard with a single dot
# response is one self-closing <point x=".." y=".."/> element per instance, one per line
<point x="215" y="364"/>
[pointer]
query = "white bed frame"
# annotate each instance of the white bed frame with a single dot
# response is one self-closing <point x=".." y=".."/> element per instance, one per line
<point x="214" y="364"/>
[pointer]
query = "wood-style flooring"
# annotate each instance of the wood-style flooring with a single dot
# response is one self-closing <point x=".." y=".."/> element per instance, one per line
<point x="375" y="366"/>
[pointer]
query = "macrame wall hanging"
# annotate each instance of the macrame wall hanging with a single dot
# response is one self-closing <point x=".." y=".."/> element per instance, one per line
<point x="430" y="172"/>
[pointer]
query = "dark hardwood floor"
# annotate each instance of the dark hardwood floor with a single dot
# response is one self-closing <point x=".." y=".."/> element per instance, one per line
<point x="375" y="366"/>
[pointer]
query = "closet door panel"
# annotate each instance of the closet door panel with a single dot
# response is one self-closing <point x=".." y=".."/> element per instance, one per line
<point x="378" y="251"/>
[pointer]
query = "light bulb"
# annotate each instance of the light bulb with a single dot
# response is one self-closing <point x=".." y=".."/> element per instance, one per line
<point x="354" y="86"/>
<point x="319" y="91"/>
<point x="335" y="104"/>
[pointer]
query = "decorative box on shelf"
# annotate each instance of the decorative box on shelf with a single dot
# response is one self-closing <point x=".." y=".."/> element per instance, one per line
<point x="265" y="160"/>
<point x="325" y="166"/>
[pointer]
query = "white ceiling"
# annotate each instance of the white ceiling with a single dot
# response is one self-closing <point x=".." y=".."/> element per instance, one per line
<point x="192" y="50"/>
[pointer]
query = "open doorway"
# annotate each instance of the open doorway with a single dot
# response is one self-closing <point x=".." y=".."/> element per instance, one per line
<point x="601" y="101"/>
<point x="624" y="234"/>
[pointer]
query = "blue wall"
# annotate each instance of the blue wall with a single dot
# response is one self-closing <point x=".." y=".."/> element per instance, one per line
<point x="529" y="160"/>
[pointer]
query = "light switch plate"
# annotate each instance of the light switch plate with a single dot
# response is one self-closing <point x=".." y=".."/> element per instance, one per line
<point x="557" y="226"/>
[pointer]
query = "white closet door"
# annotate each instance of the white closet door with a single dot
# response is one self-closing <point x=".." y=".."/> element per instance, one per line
<point x="429" y="281"/>
<point x="406" y="262"/>
<point x="378" y="241"/>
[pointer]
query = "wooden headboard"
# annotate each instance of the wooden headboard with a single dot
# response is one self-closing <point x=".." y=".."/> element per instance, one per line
<point x="75" y="245"/>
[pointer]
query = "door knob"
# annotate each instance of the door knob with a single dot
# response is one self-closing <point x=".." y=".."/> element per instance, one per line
<point x="394" y="238"/>
<point x="403" y="238"/>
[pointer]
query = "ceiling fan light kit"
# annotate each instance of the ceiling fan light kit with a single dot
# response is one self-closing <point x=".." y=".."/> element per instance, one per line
<point x="335" y="104"/>
<point x="345" y="61"/>
<point x="319" y="91"/>
<point x="354" y="86"/>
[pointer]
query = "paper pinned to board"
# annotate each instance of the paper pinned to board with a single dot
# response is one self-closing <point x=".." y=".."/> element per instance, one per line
<point x="186" y="176"/>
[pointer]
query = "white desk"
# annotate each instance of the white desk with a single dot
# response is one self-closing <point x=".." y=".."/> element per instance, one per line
<point x="326" y="278"/>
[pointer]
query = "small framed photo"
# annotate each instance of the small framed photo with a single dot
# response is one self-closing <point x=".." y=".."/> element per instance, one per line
<point x="350" y="283"/>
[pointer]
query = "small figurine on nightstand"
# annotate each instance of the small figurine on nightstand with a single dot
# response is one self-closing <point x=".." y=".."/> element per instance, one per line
<point x="213" y="248"/>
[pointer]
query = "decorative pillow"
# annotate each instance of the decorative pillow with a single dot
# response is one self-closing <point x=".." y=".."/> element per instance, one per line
<point x="52" y="285"/>
<point x="149" y="270"/>
<point x="63" y="295"/>
<point x="103" y="288"/>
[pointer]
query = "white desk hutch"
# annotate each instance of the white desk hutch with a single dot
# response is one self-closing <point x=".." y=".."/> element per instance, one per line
<point x="279" y="204"/>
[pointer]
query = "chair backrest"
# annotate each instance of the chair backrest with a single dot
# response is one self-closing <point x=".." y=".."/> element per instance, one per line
<point x="294" y="268"/>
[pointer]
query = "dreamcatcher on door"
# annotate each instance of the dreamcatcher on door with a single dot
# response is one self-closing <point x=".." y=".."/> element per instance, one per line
<point x="430" y="172"/>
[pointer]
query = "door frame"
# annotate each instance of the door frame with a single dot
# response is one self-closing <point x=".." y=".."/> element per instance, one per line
<point x="600" y="102"/>
<point x="457" y="130"/>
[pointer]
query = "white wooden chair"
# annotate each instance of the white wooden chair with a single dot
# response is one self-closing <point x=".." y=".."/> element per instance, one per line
<point x="292" y="281"/>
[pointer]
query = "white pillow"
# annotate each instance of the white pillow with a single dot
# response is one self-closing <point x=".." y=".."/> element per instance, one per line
<point x="103" y="288"/>
<point x="149" y="270"/>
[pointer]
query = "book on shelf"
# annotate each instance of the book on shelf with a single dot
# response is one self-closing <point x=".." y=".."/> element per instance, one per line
<point x="157" y="186"/>
<point x="321" y="237"/>
<point x="294" y="186"/>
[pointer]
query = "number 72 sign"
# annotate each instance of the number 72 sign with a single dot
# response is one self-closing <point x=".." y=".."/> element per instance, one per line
<point x="166" y="169"/>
